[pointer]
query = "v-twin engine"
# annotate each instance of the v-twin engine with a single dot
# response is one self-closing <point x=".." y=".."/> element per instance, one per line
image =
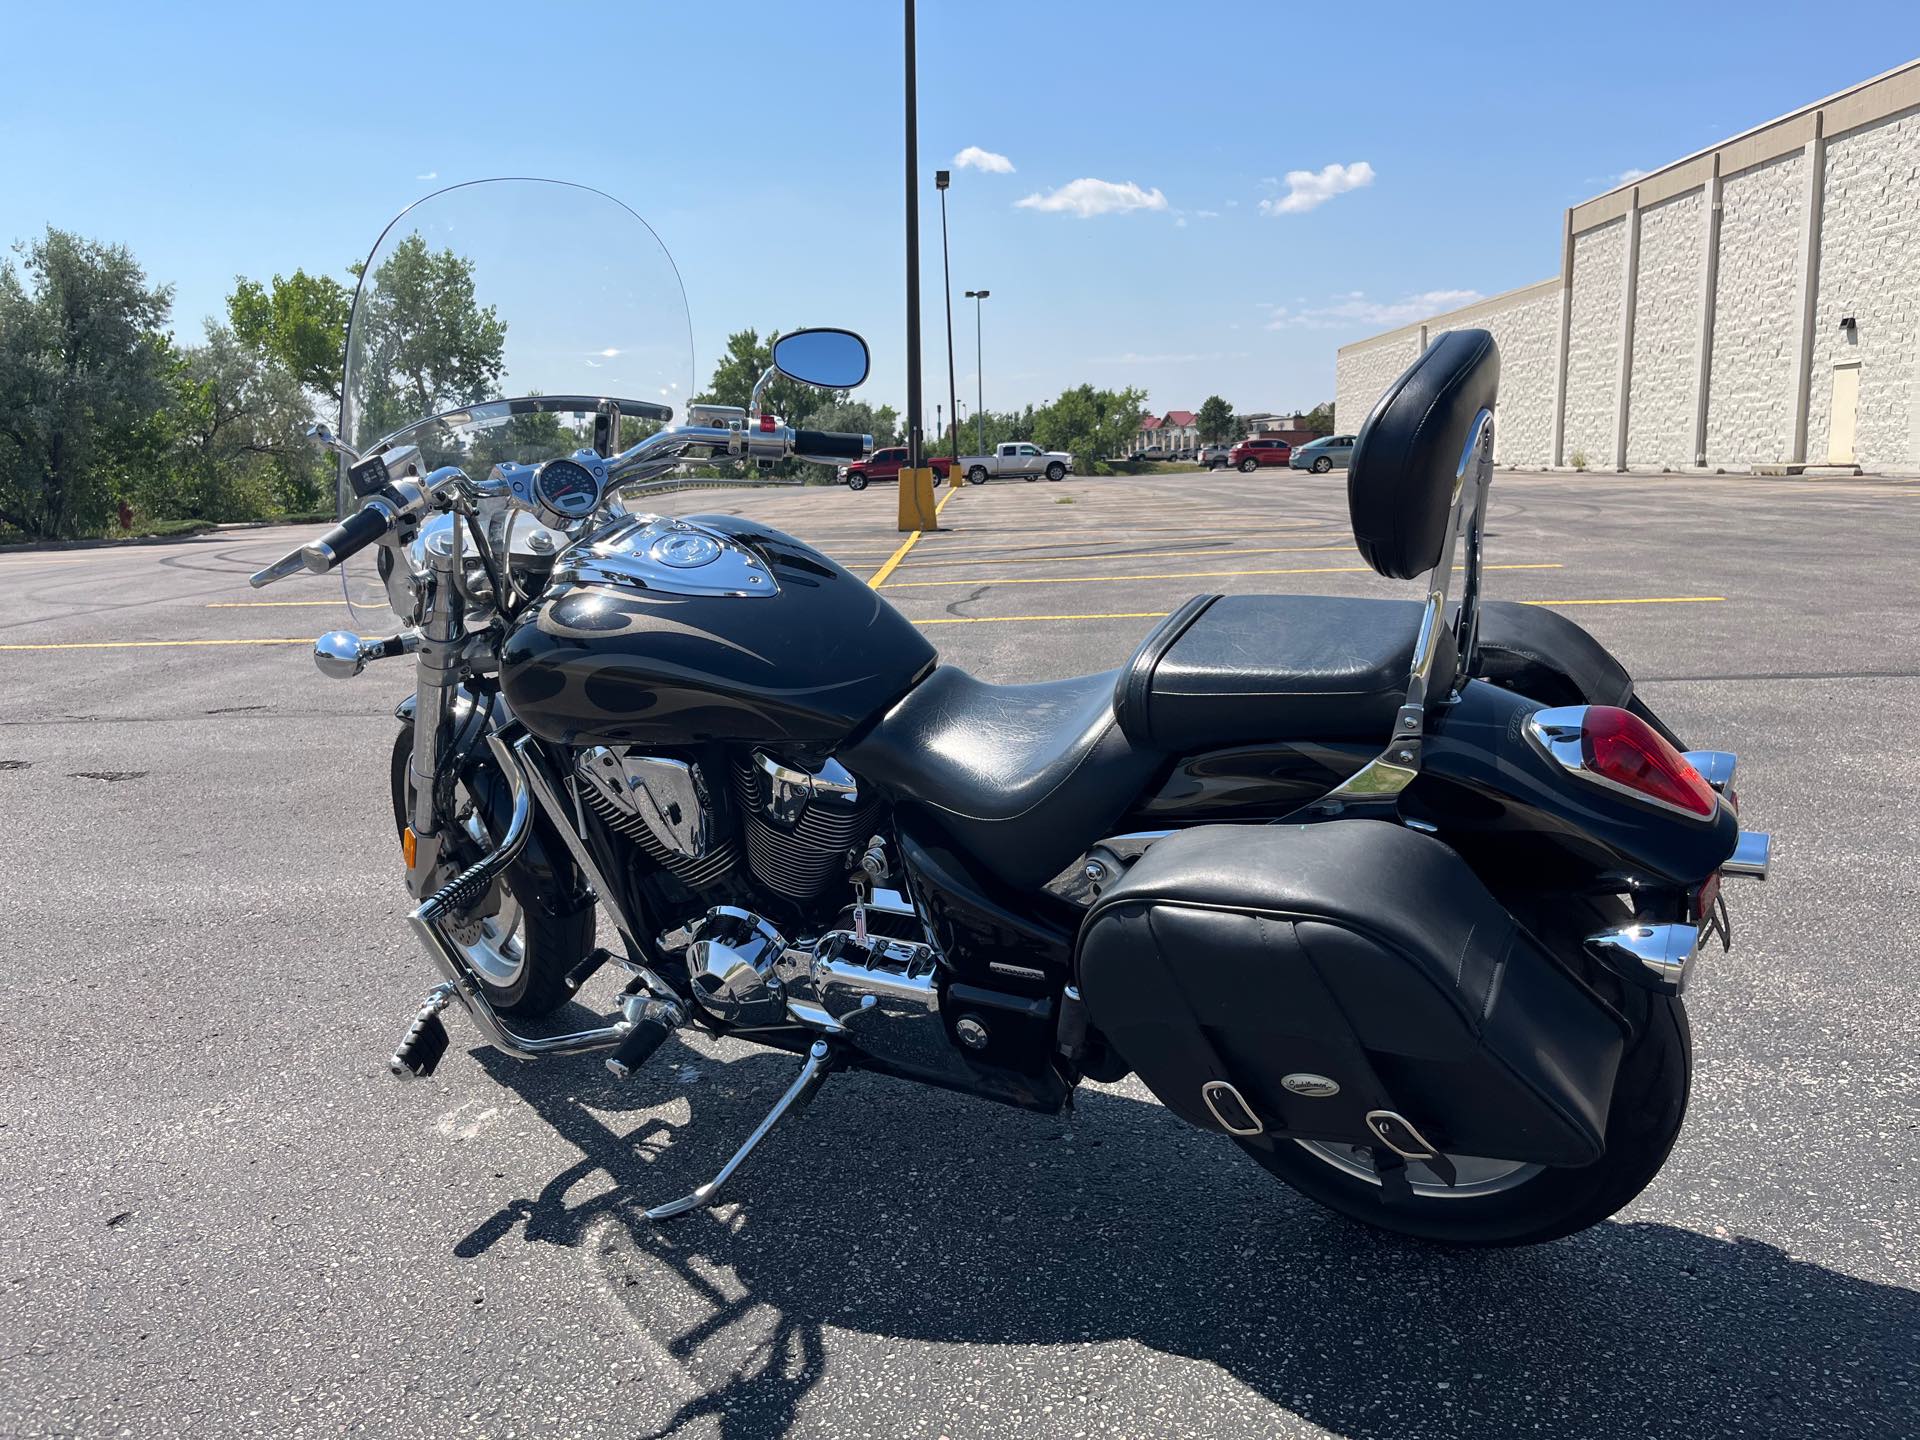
<point x="800" y="829"/>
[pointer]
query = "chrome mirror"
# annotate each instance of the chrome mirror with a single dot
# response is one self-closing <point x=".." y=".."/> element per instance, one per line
<point x="321" y="435"/>
<point x="831" y="359"/>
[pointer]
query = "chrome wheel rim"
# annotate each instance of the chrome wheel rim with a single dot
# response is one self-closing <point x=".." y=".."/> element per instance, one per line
<point x="1474" y="1175"/>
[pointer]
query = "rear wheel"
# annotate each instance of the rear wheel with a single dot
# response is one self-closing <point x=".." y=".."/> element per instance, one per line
<point x="1504" y="1202"/>
<point x="521" y="955"/>
<point x="977" y="475"/>
<point x="1321" y="464"/>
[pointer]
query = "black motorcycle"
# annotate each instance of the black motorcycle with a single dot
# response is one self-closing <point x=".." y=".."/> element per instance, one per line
<point x="1400" y="896"/>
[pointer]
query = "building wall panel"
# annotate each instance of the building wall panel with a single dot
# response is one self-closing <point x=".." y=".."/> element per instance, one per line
<point x="1666" y="333"/>
<point x="1593" y="343"/>
<point x="1750" y="398"/>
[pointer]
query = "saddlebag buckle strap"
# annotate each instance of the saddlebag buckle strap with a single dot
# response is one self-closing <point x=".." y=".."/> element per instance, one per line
<point x="1397" y="1133"/>
<point x="1230" y="1109"/>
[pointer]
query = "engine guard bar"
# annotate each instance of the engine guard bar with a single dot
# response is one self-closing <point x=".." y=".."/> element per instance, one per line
<point x="428" y="924"/>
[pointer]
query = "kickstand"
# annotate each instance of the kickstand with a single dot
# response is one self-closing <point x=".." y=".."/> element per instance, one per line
<point x="820" y="1063"/>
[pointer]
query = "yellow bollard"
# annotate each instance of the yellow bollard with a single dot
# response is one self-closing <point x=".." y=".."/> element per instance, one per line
<point x="956" y="477"/>
<point x="916" y="500"/>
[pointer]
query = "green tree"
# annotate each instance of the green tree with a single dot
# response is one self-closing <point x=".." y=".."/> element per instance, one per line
<point x="230" y="442"/>
<point x="82" y="373"/>
<point x="1215" y="420"/>
<point x="1319" y="420"/>
<point x="301" y="322"/>
<point x="857" y="417"/>
<point x="1089" y="424"/>
<point x="426" y="344"/>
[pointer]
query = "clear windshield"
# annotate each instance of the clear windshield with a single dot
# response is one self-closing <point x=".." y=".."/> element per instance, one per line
<point x="501" y="289"/>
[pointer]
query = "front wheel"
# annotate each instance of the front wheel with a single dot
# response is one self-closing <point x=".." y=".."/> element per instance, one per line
<point x="977" y="475"/>
<point x="1247" y="467"/>
<point x="1056" y="471"/>
<point x="1502" y="1202"/>
<point x="520" y="954"/>
<point x="856" y="482"/>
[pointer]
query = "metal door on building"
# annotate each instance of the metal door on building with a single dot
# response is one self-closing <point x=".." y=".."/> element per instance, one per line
<point x="1846" y="404"/>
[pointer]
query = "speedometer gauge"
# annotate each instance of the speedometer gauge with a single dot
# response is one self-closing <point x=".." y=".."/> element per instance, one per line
<point x="567" y="488"/>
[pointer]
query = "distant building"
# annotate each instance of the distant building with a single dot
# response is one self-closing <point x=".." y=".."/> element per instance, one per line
<point x="1176" y="430"/>
<point x="1751" y="304"/>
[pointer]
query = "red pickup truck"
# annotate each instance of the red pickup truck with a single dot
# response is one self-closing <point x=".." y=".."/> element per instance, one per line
<point x="887" y="464"/>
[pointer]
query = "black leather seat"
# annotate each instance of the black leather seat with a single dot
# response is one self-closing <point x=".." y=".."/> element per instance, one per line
<point x="1240" y="669"/>
<point x="1025" y="777"/>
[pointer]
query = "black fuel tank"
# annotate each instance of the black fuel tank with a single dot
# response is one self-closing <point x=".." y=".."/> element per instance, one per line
<point x="669" y="632"/>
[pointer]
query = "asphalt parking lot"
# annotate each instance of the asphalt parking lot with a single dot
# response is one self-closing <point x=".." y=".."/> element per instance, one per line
<point x="220" y="1216"/>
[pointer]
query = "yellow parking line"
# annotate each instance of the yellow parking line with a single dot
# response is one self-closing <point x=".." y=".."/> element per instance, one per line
<point x="147" y="644"/>
<point x="1176" y="575"/>
<point x="1162" y="614"/>
<point x="887" y="569"/>
<point x="1638" y="600"/>
<point x="1222" y="554"/>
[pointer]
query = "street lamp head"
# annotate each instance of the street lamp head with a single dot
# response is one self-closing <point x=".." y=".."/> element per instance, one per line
<point x="978" y="294"/>
<point x="940" y="178"/>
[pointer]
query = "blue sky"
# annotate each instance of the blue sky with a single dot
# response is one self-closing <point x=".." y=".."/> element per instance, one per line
<point x="763" y="141"/>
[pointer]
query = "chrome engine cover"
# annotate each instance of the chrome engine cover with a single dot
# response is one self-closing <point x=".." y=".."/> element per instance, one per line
<point x="730" y="965"/>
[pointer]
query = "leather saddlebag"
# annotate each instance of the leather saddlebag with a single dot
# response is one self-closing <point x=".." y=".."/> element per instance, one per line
<point x="1357" y="954"/>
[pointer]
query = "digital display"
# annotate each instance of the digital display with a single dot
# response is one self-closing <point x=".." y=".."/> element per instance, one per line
<point x="568" y="488"/>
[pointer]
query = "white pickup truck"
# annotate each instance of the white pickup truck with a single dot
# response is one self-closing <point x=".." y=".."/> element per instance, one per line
<point x="1016" y="457"/>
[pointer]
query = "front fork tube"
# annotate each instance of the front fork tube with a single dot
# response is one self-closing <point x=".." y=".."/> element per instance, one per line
<point x="435" y="675"/>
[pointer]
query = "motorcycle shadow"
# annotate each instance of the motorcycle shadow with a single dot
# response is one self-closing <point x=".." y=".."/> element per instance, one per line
<point x="917" y="1216"/>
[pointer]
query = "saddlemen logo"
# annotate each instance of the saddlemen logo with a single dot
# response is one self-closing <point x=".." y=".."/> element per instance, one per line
<point x="1314" y="1087"/>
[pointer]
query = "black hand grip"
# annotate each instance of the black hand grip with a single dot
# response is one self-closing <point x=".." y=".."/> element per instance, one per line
<point x="349" y="537"/>
<point x="648" y="1035"/>
<point x="830" y="445"/>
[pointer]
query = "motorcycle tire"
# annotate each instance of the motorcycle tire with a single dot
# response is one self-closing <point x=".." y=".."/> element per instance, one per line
<point x="1649" y="1103"/>
<point x="549" y="945"/>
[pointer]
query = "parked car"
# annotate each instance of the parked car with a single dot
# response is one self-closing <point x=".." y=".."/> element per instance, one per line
<point x="1249" y="455"/>
<point x="1329" y="452"/>
<point x="1213" y="456"/>
<point x="1152" y="452"/>
<point x="887" y="464"/>
<point x="1016" y="457"/>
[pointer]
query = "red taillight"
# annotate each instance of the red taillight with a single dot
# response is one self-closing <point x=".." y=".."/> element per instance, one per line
<point x="1619" y="746"/>
<point x="766" y="424"/>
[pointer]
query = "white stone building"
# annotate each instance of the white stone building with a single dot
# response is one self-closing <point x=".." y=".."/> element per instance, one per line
<point x="1757" y="303"/>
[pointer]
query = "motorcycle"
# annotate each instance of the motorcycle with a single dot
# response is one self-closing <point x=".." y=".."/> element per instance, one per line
<point x="1399" y="897"/>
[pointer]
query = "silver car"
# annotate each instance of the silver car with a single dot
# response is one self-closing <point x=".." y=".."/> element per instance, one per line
<point x="1329" y="452"/>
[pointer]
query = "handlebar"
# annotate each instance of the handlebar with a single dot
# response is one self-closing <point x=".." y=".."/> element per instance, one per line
<point x="348" y="538"/>
<point x="830" y="445"/>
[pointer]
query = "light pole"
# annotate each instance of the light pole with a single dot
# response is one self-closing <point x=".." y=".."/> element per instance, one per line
<point x="980" y="403"/>
<point x="940" y="180"/>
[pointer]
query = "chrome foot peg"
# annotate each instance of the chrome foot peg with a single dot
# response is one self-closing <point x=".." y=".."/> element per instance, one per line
<point x="652" y="1021"/>
<point x="820" y="1063"/>
<point x="426" y="1039"/>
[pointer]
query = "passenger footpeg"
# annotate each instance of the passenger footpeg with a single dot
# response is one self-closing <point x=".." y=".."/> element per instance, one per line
<point x="820" y="1063"/>
<point x="652" y="1021"/>
<point x="426" y="1040"/>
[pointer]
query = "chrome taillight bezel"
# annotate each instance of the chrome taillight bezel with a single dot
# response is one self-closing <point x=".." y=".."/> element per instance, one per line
<point x="1559" y="733"/>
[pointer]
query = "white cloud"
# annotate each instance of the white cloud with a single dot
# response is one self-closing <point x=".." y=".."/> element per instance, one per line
<point x="1307" y="189"/>
<point x="1208" y="214"/>
<point x="430" y="175"/>
<point x="974" y="158"/>
<point x="1181" y="223"/>
<point x="1354" y="310"/>
<point x="1095" y="197"/>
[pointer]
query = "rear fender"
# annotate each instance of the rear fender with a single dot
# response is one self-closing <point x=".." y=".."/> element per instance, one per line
<point x="1480" y="772"/>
